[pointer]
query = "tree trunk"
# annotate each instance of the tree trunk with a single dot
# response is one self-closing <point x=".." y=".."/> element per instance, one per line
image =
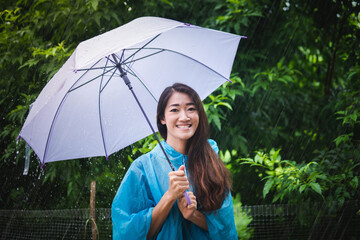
<point x="94" y="230"/>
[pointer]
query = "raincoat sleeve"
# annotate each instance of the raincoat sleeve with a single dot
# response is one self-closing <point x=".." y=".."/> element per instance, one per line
<point x="133" y="205"/>
<point x="221" y="224"/>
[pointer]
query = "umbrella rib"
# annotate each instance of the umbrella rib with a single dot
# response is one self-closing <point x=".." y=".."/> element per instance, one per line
<point x="87" y="69"/>
<point x="141" y="81"/>
<point x="129" y="70"/>
<point x="57" y="112"/>
<point x="172" y="51"/>
<point x="139" y="49"/>
<point x="100" y="119"/>
<point x="134" y="60"/>
<point x="101" y="75"/>
<point x="108" y="81"/>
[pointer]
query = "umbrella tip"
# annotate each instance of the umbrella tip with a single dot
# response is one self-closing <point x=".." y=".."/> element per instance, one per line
<point x="187" y="24"/>
<point x="18" y="138"/>
<point x="107" y="157"/>
<point x="75" y="70"/>
<point x="243" y="37"/>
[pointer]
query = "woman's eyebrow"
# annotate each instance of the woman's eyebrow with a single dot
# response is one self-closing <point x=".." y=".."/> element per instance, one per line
<point x="177" y="105"/>
<point x="174" y="105"/>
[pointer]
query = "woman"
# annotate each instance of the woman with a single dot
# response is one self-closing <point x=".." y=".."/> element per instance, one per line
<point x="150" y="202"/>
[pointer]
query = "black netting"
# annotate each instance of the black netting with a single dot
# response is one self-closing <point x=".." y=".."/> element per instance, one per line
<point x="54" y="224"/>
<point x="306" y="221"/>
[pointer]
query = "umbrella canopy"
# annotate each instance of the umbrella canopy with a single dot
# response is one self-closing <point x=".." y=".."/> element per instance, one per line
<point x="87" y="110"/>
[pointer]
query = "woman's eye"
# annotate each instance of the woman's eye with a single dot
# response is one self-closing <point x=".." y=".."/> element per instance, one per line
<point x="192" y="109"/>
<point x="173" y="110"/>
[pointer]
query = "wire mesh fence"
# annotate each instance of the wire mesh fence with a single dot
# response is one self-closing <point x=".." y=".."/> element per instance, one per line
<point x="54" y="224"/>
<point x="306" y="221"/>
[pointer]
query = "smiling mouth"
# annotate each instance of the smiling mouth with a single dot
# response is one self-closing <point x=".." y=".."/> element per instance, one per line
<point x="184" y="126"/>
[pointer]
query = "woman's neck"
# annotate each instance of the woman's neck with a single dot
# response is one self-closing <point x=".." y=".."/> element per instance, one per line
<point x="179" y="146"/>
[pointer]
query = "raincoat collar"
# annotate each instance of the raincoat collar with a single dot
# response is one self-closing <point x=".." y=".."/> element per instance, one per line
<point x="175" y="157"/>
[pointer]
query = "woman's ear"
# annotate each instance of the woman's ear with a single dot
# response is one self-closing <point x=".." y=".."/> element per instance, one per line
<point x="162" y="121"/>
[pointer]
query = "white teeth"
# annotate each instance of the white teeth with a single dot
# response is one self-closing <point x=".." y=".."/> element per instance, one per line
<point x="183" y="126"/>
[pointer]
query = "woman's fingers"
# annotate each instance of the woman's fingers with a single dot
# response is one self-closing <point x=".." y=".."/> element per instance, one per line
<point x="187" y="210"/>
<point x="181" y="168"/>
<point x="178" y="177"/>
<point x="180" y="171"/>
<point x="193" y="202"/>
<point x="178" y="182"/>
<point x="192" y="199"/>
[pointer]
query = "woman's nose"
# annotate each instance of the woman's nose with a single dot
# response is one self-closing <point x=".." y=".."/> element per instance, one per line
<point x="183" y="116"/>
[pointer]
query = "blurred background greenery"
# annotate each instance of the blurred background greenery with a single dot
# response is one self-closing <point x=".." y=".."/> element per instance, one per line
<point x="288" y="126"/>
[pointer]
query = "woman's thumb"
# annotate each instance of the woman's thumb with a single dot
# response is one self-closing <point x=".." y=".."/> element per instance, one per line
<point x="182" y="168"/>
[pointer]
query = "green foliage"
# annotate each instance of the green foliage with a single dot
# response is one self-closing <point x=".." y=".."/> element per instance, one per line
<point x="349" y="105"/>
<point x="290" y="181"/>
<point x="242" y="220"/>
<point x="295" y="87"/>
<point x="143" y="146"/>
<point x="212" y="109"/>
<point x="298" y="183"/>
<point x="36" y="39"/>
<point x="237" y="14"/>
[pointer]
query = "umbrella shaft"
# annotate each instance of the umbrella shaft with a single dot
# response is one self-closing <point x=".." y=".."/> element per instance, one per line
<point x="123" y="74"/>
<point x="152" y="129"/>
<point x="128" y="83"/>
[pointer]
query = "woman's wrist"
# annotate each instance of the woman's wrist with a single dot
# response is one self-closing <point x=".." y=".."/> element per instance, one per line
<point x="199" y="219"/>
<point x="169" y="197"/>
<point x="194" y="216"/>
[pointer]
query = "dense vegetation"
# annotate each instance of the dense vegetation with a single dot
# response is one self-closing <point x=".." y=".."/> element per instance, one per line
<point x="288" y="126"/>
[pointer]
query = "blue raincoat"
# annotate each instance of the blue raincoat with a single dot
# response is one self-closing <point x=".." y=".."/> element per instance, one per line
<point x="144" y="184"/>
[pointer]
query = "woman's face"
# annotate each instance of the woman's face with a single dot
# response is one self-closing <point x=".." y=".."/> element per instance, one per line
<point x="181" y="118"/>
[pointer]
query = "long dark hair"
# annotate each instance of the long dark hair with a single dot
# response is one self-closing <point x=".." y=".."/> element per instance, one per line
<point x="207" y="172"/>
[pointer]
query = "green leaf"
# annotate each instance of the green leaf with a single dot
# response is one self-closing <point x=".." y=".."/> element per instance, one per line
<point x="316" y="187"/>
<point x="354" y="183"/>
<point x="276" y="197"/>
<point x="70" y="188"/>
<point x="29" y="63"/>
<point x="302" y="188"/>
<point x="217" y="122"/>
<point x="168" y="3"/>
<point x="94" y="4"/>
<point x="353" y="116"/>
<point x="97" y="18"/>
<point x="259" y="158"/>
<point x="343" y="138"/>
<point x="323" y="177"/>
<point x="340" y="112"/>
<point x="130" y="159"/>
<point x="227" y="156"/>
<point x="225" y="104"/>
<point x="269" y="183"/>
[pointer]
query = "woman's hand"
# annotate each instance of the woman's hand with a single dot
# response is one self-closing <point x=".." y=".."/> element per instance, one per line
<point x="178" y="183"/>
<point x="187" y="210"/>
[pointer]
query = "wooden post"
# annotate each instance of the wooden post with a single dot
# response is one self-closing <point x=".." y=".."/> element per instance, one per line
<point x="92" y="210"/>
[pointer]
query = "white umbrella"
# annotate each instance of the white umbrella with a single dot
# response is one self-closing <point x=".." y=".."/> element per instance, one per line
<point x="87" y="110"/>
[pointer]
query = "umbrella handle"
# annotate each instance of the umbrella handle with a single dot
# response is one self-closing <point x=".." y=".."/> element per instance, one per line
<point x="187" y="198"/>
